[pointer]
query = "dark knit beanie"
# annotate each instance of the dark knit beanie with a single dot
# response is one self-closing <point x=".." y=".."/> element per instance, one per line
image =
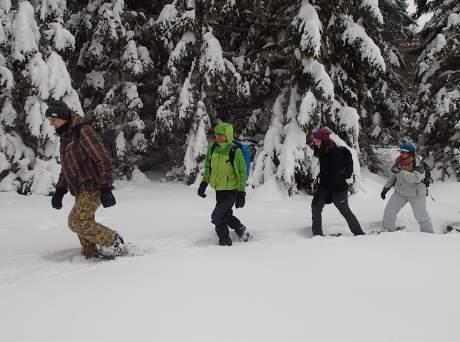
<point x="58" y="109"/>
<point x="322" y="134"/>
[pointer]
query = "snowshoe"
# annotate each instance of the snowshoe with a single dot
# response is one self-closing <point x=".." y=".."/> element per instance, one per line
<point x="379" y="231"/>
<point x="335" y="234"/>
<point x="453" y="227"/>
<point x="118" y="249"/>
<point x="376" y="227"/>
<point x="109" y="253"/>
<point x="243" y="234"/>
<point x="245" y="237"/>
<point x="376" y="232"/>
<point x="397" y="228"/>
<point x="131" y="250"/>
<point x="99" y="255"/>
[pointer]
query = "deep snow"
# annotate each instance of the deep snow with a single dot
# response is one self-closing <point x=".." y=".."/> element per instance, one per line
<point x="282" y="286"/>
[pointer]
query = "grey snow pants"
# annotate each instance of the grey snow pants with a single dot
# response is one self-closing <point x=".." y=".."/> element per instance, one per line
<point x="418" y="204"/>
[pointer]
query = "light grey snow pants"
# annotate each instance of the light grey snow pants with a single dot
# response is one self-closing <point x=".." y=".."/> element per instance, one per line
<point x="418" y="204"/>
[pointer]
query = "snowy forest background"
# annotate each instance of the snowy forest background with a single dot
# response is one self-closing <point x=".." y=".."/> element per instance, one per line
<point x="157" y="75"/>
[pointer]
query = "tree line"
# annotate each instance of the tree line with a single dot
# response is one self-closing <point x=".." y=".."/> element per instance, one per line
<point x="157" y="75"/>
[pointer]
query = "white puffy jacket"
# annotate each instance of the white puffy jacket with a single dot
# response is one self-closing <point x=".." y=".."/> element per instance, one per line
<point x="409" y="184"/>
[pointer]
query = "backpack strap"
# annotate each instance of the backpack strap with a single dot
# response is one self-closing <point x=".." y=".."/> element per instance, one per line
<point x="231" y="154"/>
<point x="347" y="161"/>
<point x="213" y="147"/>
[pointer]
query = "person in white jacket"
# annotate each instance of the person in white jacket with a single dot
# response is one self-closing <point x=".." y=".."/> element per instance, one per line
<point x="406" y="177"/>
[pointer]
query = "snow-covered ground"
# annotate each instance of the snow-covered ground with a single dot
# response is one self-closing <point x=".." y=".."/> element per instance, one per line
<point x="282" y="286"/>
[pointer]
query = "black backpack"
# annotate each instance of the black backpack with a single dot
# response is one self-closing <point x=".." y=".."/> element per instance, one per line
<point x="347" y="161"/>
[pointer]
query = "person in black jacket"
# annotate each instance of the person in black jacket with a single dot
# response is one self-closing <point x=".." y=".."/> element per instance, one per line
<point x="336" y="166"/>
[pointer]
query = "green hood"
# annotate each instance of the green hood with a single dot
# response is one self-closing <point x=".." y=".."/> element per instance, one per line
<point x="225" y="129"/>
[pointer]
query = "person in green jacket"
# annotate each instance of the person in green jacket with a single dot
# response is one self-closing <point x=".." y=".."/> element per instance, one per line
<point x="229" y="181"/>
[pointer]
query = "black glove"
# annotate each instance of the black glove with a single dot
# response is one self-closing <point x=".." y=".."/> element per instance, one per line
<point x="202" y="189"/>
<point x="107" y="198"/>
<point x="56" y="200"/>
<point x="328" y="199"/>
<point x="384" y="193"/>
<point x="395" y="169"/>
<point x="240" y="199"/>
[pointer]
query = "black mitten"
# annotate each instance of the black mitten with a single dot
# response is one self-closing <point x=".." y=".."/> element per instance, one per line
<point x="395" y="169"/>
<point x="56" y="200"/>
<point x="107" y="198"/>
<point x="384" y="193"/>
<point x="240" y="199"/>
<point x="202" y="189"/>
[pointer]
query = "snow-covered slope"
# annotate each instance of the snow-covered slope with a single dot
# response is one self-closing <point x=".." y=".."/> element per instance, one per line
<point x="282" y="286"/>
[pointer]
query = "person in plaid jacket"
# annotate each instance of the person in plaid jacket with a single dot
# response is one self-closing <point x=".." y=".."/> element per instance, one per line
<point x="86" y="171"/>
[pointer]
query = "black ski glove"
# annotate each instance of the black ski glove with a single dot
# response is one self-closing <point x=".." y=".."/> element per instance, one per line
<point x="107" y="198"/>
<point x="56" y="200"/>
<point x="384" y="193"/>
<point x="395" y="169"/>
<point x="240" y="199"/>
<point x="202" y="189"/>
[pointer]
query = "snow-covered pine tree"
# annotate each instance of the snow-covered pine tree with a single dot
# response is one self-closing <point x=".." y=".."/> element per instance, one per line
<point x="112" y="65"/>
<point x="174" y="31"/>
<point x="199" y="80"/>
<point x="437" y="115"/>
<point x="392" y="94"/>
<point x="10" y="142"/>
<point x="331" y="68"/>
<point x="39" y="73"/>
<point x="197" y="143"/>
<point x="159" y="74"/>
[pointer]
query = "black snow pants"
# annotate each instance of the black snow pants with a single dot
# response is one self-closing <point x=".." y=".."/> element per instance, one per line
<point x="340" y="200"/>
<point x="222" y="215"/>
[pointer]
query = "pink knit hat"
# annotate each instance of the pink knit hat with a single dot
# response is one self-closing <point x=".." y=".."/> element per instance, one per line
<point x="322" y="134"/>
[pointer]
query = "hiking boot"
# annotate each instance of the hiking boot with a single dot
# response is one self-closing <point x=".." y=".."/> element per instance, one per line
<point x="243" y="234"/>
<point x="225" y="242"/>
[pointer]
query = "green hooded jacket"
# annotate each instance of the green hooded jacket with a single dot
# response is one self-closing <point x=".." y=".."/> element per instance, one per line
<point x="218" y="172"/>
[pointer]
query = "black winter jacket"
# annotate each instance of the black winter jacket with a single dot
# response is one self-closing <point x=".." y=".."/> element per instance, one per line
<point x="336" y="165"/>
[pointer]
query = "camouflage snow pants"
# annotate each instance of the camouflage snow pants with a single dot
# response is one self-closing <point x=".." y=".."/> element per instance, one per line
<point x="82" y="220"/>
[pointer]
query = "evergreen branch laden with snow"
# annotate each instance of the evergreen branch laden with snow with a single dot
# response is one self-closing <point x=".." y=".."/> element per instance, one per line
<point x="355" y="35"/>
<point x="308" y="24"/>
